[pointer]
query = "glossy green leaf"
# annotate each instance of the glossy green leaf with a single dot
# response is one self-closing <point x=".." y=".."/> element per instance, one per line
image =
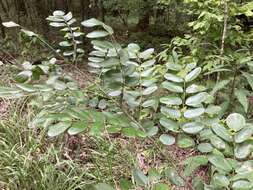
<point x="222" y="132"/>
<point x="242" y="98"/>
<point x="192" y="127"/>
<point x="235" y="121"/>
<point x="249" y="78"/>
<point x="220" y="163"/>
<point x="212" y="109"/>
<point x="242" y="185"/>
<point x="174" y="178"/>
<point x="167" y="139"/>
<point x="140" y="178"/>
<point x="59" y="128"/>
<point x="192" y="113"/>
<point x="172" y="87"/>
<point x="171" y="113"/>
<point x="77" y="127"/>
<point x="218" y="143"/>
<point x="220" y="180"/>
<point x="146" y="54"/>
<point x="97" y="34"/>
<point x="194" y="89"/>
<point x="173" y="78"/>
<point x="149" y="90"/>
<point x="171" y="100"/>
<point x="169" y="124"/>
<point x="244" y="134"/>
<point x="243" y="150"/>
<point x="10" y="24"/>
<point x="196" y="99"/>
<point x="205" y="147"/>
<point x="91" y="22"/>
<point x="185" y="141"/>
<point x="193" y="74"/>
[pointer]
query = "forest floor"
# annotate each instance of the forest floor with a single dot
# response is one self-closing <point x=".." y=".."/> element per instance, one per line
<point x="108" y="158"/>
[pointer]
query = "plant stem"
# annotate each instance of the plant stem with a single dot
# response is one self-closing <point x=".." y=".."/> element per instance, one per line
<point x="224" y="35"/>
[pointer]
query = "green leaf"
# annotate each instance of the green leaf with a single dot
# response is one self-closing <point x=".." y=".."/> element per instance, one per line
<point x="192" y="113"/>
<point x="194" y="89"/>
<point x="218" y="143"/>
<point x="174" y="178"/>
<point x="242" y="98"/>
<point x="23" y="76"/>
<point x="245" y="168"/>
<point x="174" y="66"/>
<point x="10" y="24"/>
<point x="149" y="90"/>
<point x="172" y="87"/>
<point x="243" y="150"/>
<point x="77" y="127"/>
<point x="91" y="22"/>
<point x="220" y="180"/>
<point x="242" y="185"/>
<point x="193" y="74"/>
<point x="192" y="163"/>
<point x="169" y="124"/>
<point x="65" y="44"/>
<point x="171" y="113"/>
<point x="249" y="78"/>
<point x="59" y="128"/>
<point x="167" y="139"/>
<point x="173" y="78"/>
<point x="148" y="63"/>
<point x="196" y="99"/>
<point x="146" y="54"/>
<point x="140" y="178"/>
<point x="171" y="100"/>
<point x="192" y="127"/>
<point x="29" y="33"/>
<point x="97" y="34"/>
<point x="58" y="13"/>
<point x="212" y="109"/>
<point x="205" y="147"/>
<point x="110" y="62"/>
<point x="149" y="103"/>
<point x="235" y="121"/>
<point x="198" y="183"/>
<point x="244" y="134"/>
<point x="220" y="163"/>
<point x="185" y="141"/>
<point x="57" y="24"/>
<point x="222" y="132"/>
<point x="220" y="85"/>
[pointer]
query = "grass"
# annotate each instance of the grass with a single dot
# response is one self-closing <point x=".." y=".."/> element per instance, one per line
<point x="30" y="160"/>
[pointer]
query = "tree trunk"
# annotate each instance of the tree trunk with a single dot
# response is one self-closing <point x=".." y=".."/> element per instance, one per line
<point x="2" y="28"/>
<point x="144" y="17"/>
